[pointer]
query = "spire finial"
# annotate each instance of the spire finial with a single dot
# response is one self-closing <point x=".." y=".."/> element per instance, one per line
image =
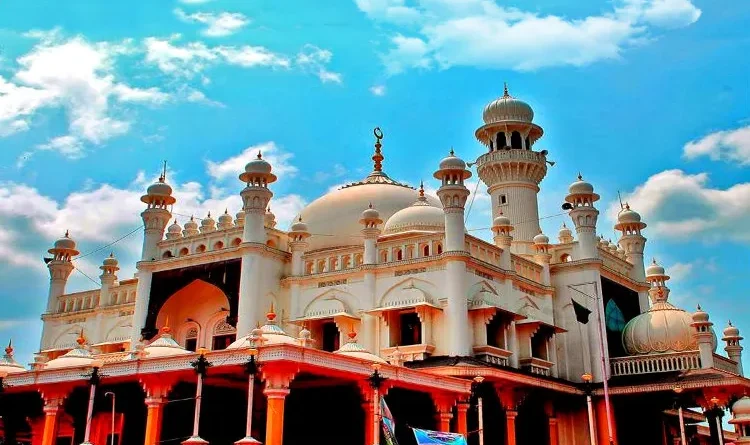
<point x="81" y="340"/>
<point x="452" y="153"/>
<point x="67" y="234"/>
<point x="9" y="349"/>
<point x="166" y="329"/>
<point x="378" y="156"/>
<point x="226" y="211"/>
<point x="271" y="315"/>
<point x="505" y="89"/>
<point x="699" y="307"/>
<point x="729" y="322"/>
<point x="163" y="176"/>
<point x="300" y="218"/>
<point x="580" y="176"/>
<point x="370" y="205"/>
<point x="209" y="214"/>
<point x="421" y="189"/>
<point x="260" y="156"/>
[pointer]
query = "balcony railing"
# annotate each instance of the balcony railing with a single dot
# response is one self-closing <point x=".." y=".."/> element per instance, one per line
<point x="536" y="366"/>
<point x="410" y="353"/>
<point x="650" y="364"/>
<point x="725" y="364"/>
<point x="493" y="355"/>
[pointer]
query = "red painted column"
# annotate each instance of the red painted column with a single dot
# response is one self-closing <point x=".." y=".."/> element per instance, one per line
<point x="461" y="409"/>
<point x="510" y="426"/>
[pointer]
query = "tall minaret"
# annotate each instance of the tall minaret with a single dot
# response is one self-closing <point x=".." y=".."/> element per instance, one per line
<point x="511" y="169"/>
<point x="542" y="255"/>
<point x="108" y="277"/>
<point x="733" y="348"/>
<point x="298" y="234"/>
<point x="704" y="335"/>
<point x="370" y="221"/>
<point x="255" y="198"/>
<point x="581" y="197"/>
<point x="60" y="267"/>
<point x="453" y="194"/>
<point x="630" y="224"/>
<point x="155" y="219"/>
<point x="501" y="228"/>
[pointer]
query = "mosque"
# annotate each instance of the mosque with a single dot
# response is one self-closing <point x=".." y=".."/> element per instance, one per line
<point x="235" y="330"/>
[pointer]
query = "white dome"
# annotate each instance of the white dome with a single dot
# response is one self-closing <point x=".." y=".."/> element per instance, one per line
<point x="269" y="219"/>
<point x="208" y="224"/>
<point x="77" y="357"/>
<point x="239" y="218"/>
<point x="258" y="165"/>
<point x="225" y="220"/>
<point x="452" y="162"/>
<point x="299" y="226"/>
<point x="191" y="227"/>
<point x="664" y="328"/>
<point x="501" y="220"/>
<point x="580" y="187"/>
<point x="507" y="108"/>
<point x="741" y="411"/>
<point x="541" y="239"/>
<point x="164" y="346"/>
<point x="654" y="270"/>
<point x="8" y="364"/>
<point x="700" y="316"/>
<point x="731" y="332"/>
<point x="174" y="228"/>
<point x="66" y="242"/>
<point x="354" y="349"/>
<point x="628" y="216"/>
<point x="335" y="216"/>
<point x="564" y="232"/>
<point x="269" y="334"/>
<point x="419" y="217"/>
<point x="371" y="214"/>
<point x="110" y="261"/>
<point x="159" y="188"/>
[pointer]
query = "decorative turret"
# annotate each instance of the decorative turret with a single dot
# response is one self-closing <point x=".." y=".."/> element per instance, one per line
<point x="581" y="198"/>
<point x="208" y="224"/>
<point x="704" y="335"/>
<point x="191" y="228"/>
<point x="269" y="219"/>
<point x="511" y="169"/>
<point x="565" y="235"/>
<point x="8" y="365"/>
<point x="156" y="216"/>
<point x="298" y="234"/>
<point x="174" y="231"/>
<point x="370" y="221"/>
<point x="305" y="337"/>
<point x="733" y="348"/>
<point x="109" y="270"/>
<point x="239" y="219"/>
<point x="255" y="198"/>
<point x="225" y="221"/>
<point x="741" y="420"/>
<point x="542" y="255"/>
<point x="60" y="266"/>
<point x="630" y="224"/>
<point x="501" y="229"/>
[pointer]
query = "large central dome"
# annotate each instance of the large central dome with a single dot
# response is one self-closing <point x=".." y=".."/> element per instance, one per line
<point x="333" y="219"/>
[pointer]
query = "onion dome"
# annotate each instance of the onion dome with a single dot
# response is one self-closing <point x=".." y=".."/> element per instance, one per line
<point x="731" y="332"/>
<point x="501" y="220"/>
<point x="66" y="242"/>
<point x="208" y="224"/>
<point x="174" y="231"/>
<point x="269" y="219"/>
<point x="371" y="214"/>
<point x="541" y="239"/>
<point x="700" y="316"/>
<point x="507" y="108"/>
<point x="239" y="219"/>
<point x="225" y="220"/>
<point x="272" y="334"/>
<point x="580" y="187"/>
<point x="354" y="349"/>
<point x="628" y="216"/>
<point x="305" y="337"/>
<point x="419" y="217"/>
<point x="452" y="162"/>
<point x="299" y="226"/>
<point x="110" y="261"/>
<point x="741" y="411"/>
<point x="258" y="169"/>
<point x="8" y="364"/>
<point x="663" y="328"/>
<point x="78" y="357"/>
<point x="164" y="346"/>
<point x="654" y="270"/>
<point x="191" y="228"/>
<point x="564" y="233"/>
<point x="159" y="193"/>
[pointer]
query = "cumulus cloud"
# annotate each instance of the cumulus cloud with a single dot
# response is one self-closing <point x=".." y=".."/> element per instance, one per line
<point x="484" y="34"/>
<point x="728" y="145"/>
<point x="314" y="59"/>
<point x="230" y="168"/>
<point x="378" y="90"/>
<point x="681" y="206"/>
<point x="217" y="25"/>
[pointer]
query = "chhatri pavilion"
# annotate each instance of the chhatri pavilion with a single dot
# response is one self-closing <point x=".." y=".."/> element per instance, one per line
<point x="235" y="330"/>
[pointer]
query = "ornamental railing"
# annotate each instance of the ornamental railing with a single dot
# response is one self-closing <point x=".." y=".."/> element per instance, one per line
<point x="536" y="366"/>
<point x="650" y="364"/>
<point x="725" y="364"/>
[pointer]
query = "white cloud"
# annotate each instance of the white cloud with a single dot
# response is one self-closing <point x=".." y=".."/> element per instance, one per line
<point x="729" y="145"/>
<point x="484" y="34"/>
<point x="232" y="167"/>
<point x="314" y="59"/>
<point x="681" y="206"/>
<point x="69" y="146"/>
<point x="679" y="271"/>
<point x="217" y="25"/>
<point x="184" y="61"/>
<point x="252" y="56"/>
<point x="378" y="90"/>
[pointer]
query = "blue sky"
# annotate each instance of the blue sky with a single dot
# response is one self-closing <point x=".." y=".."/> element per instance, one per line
<point x="645" y="97"/>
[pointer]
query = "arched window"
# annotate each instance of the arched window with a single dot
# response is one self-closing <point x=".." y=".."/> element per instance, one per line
<point x="224" y="335"/>
<point x="439" y="248"/>
<point x="515" y="140"/>
<point x="426" y="250"/>
<point x="201" y="248"/>
<point x="271" y="243"/>
<point x="613" y="317"/>
<point x="236" y="242"/>
<point x="184" y="251"/>
<point x="501" y="140"/>
<point x="218" y="245"/>
<point x="191" y="339"/>
<point x="167" y="254"/>
<point x="565" y="258"/>
<point x="399" y="255"/>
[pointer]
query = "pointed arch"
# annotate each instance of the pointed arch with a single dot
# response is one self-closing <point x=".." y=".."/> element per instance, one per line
<point x="331" y="302"/>
<point x="409" y="289"/>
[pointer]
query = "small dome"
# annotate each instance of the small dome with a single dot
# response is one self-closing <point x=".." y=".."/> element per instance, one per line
<point x="731" y="331"/>
<point x="452" y="162"/>
<point x="419" y="217"/>
<point x="66" y="242"/>
<point x="628" y="216"/>
<point x="299" y="226"/>
<point x="564" y="232"/>
<point x="258" y="165"/>
<point x="741" y="411"/>
<point x="271" y="334"/>
<point x="700" y="316"/>
<point x="78" y="357"/>
<point x="191" y="227"/>
<point x="174" y="228"/>
<point x="208" y="224"/>
<point x="110" y="260"/>
<point x="159" y="188"/>
<point x="664" y="328"/>
<point x="370" y="213"/>
<point x="507" y="108"/>
<point x="654" y="270"/>
<point x="501" y="220"/>
<point x="580" y="187"/>
<point x="354" y="349"/>
<point x="239" y="218"/>
<point x="541" y="239"/>
<point x="164" y="346"/>
<point x="269" y="219"/>
<point x="612" y="247"/>
<point x="8" y="364"/>
<point x="225" y="220"/>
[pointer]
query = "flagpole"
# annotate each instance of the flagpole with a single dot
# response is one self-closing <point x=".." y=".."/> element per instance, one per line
<point x="605" y="374"/>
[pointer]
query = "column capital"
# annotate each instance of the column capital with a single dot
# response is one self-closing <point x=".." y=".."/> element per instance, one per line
<point x="462" y="406"/>
<point x="153" y="401"/>
<point x="157" y="387"/>
<point x="276" y="393"/>
<point x="511" y="414"/>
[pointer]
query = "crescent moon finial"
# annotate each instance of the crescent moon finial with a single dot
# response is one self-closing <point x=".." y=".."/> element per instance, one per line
<point x="378" y="133"/>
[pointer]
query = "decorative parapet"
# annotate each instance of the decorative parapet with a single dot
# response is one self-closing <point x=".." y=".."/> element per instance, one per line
<point x="650" y="364"/>
<point x="724" y="364"/>
<point x="410" y="353"/>
<point x="492" y="355"/>
<point x="536" y="366"/>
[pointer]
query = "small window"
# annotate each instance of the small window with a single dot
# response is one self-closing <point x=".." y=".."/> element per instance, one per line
<point x="502" y="200"/>
<point x="426" y="251"/>
<point x="222" y="341"/>
<point x="496" y="332"/>
<point x="191" y="344"/>
<point x="439" y="249"/>
<point x="331" y="337"/>
<point x="411" y="329"/>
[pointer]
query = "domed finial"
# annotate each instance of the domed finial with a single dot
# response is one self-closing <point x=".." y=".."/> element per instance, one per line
<point x="421" y="189"/>
<point x="699" y="307"/>
<point x="226" y="211"/>
<point x="580" y="176"/>
<point x="81" y="340"/>
<point x="627" y="206"/>
<point x="163" y="176"/>
<point x="452" y="152"/>
<point x="300" y="218"/>
<point x="67" y="234"/>
<point x="271" y="315"/>
<point x="729" y="323"/>
<point x="260" y="156"/>
<point x="378" y="156"/>
<point x="370" y="205"/>
<point x="564" y="226"/>
<point x="352" y="335"/>
<point x="209" y="215"/>
<point x="505" y="89"/>
<point x="9" y="349"/>
<point x="166" y="329"/>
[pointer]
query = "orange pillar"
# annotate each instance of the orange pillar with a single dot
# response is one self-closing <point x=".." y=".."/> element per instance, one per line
<point x="154" y="411"/>
<point x="275" y="415"/>
<point x="51" y="409"/>
<point x="600" y="409"/>
<point x="444" y="421"/>
<point x="461" y="409"/>
<point x="367" y="407"/>
<point x="510" y="426"/>
<point x="553" y="431"/>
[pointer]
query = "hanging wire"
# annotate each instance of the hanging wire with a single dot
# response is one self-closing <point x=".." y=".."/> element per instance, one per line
<point x="84" y="274"/>
<point x="473" y="196"/>
<point x="98" y="249"/>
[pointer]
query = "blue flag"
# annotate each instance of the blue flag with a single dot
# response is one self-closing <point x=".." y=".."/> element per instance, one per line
<point x="388" y="425"/>
<point x="427" y="437"/>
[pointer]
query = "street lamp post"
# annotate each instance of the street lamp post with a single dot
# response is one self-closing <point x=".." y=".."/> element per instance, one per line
<point x="677" y="391"/>
<point x="251" y="367"/>
<point x="112" y="430"/>
<point x="376" y="381"/>
<point x="587" y="378"/>
<point x="480" y="412"/>
<point x="201" y="366"/>
<point x="94" y="379"/>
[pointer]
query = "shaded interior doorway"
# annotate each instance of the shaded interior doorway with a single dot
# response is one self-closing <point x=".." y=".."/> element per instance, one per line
<point x="410" y="409"/>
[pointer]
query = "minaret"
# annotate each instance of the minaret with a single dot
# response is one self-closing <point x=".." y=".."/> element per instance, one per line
<point x="630" y="224"/>
<point x="108" y="277"/>
<point x="255" y="197"/>
<point x="511" y="169"/>
<point x="564" y="235"/>
<point x="704" y="336"/>
<point x="155" y="218"/>
<point x="60" y="267"/>
<point x="501" y="228"/>
<point x="733" y="348"/>
<point x="298" y="235"/>
<point x="371" y="231"/>
<point x="542" y="255"/>
<point x="453" y="194"/>
<point x="581" y="197"/>
<point x="269" y="219"/>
